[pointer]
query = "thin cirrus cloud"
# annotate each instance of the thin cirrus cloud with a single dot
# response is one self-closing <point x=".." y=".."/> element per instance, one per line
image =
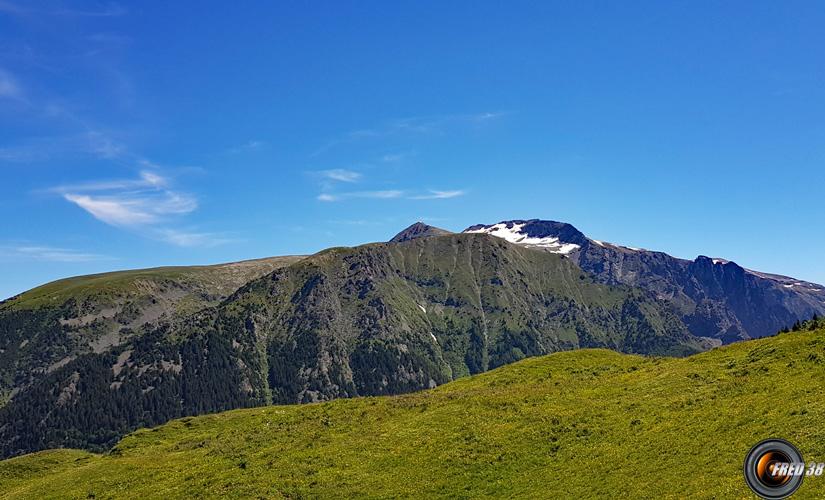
<point x="133" y="209"/>
<point x="390" y="194"/>
<point x="439" y="195"/>
<point x="340" y="175"/>
<point x="146" y="179"/>
<point x="383" y="194"/>
<point x="145" y="204"/>
<point x="43" y="253"/>
<point x="412" y="126"/>
<point x="129" y="202"/>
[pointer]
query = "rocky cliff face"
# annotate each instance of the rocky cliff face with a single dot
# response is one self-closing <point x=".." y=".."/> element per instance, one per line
<point x="716" y="298"/>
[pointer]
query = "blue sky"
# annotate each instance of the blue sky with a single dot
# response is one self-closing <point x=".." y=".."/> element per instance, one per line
<point x="162" y="133"/>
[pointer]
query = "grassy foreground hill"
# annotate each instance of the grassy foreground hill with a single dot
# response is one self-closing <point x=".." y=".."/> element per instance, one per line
<point x="574" y="424"/>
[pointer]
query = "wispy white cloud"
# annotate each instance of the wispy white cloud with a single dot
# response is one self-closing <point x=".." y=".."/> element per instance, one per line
<point x="329" y="179"/>
<point x="146" y="179"/>
<point x="114" y="210"/>
<point x="432" y="194"/>
<point x="152" y="179"/>
<point x="439" y="195"/>
<point x="134" y="209"/>
<point x="382" y="194"/>
<point x="340" y="174"/>
<point x="43" y="253"/>
<point x="145" y="204"/>
<point x="386" y="194"/>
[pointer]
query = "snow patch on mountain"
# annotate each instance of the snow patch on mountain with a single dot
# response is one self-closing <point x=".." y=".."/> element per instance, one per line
<point x="514" y="234"/>
<point x="605" y="244"/>
<point x="789" y="283"/>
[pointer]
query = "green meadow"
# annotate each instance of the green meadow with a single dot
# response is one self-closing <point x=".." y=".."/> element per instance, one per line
<point x="586" y="423"/>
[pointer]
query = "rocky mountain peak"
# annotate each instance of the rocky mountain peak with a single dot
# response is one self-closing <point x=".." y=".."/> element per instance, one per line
<point x="418" y="230"/>
<point x="556" y="237"/>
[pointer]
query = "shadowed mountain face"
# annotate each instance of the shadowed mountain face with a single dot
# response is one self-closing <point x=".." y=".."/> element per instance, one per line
<point x="376" y="319"/>
<point x="716" y="298"/>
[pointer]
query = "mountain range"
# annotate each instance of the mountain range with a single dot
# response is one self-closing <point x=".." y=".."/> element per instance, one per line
<point x="85" y="360"/>
<point x="716" y="298"/>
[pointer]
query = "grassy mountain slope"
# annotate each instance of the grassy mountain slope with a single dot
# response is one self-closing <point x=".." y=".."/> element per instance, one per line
<point x="217" y="280"/>
<point x="388" y="318"/>
<point x="587" y="423"/>
<point x="376" y="319"/>
<point x="48" y="326"/>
